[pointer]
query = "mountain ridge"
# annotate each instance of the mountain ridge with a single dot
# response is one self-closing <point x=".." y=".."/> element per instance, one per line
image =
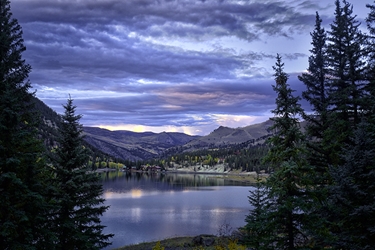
<point x="134" y="146"/>
<point x="229" y="136"/>
<point x="140" y="146"/>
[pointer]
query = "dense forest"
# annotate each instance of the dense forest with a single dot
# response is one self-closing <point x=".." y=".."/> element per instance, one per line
<point x="243" y="157"/>
<point x="320" y="193"/>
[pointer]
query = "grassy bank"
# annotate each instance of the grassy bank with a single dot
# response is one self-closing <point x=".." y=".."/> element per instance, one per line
<point x="172" y="243"/>
<point x="206" y="242"/>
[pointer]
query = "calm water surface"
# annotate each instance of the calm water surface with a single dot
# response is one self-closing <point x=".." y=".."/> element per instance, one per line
<point x="148" y="207"/>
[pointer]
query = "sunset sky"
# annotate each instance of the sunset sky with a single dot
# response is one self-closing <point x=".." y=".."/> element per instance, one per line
<point x="168" y="65"/>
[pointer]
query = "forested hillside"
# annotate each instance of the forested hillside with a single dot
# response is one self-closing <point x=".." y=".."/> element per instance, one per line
<point x="49" y="122"/>
<point x="224" y="146"/>
<point x="133" y="146"/>
<point x="48" y="125"/>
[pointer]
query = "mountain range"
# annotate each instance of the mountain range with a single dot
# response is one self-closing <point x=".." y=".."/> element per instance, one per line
<point x="141" y="146"/>
<point x="128" y="145"/>
<point x="134" y="146"/>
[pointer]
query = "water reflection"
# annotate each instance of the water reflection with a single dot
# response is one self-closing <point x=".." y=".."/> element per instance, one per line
<point x="136" y="193"/>
<point x="136" y="214"/>
<point x="146" y="207"/>
<point x="165" y="181"/>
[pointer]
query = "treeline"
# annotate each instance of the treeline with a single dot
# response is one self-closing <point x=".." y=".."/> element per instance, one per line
<point x="246" y="156"/>
<point x="50" y="199"/>
<point x="242" y="157"/>
<point x="321" y="194"/>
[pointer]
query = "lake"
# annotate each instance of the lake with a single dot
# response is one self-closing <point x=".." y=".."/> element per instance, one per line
<point x="149" y="207"/>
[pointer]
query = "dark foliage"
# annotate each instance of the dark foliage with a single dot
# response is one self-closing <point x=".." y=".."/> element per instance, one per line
<point x="24" y="206"/>
<point x="321" y="195"/>
<point x="352" y="194"/>
<point x="78" y="190"/>
<point x="258" y="229"/>
<point x="279" y="217"/>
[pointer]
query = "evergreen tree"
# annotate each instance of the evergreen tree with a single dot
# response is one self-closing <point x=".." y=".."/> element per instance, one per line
<point x="369" y="89"/>
<point x="287" y="200"/>
<point x="319" y="148"/>
<point x="346" y="78"/>
<point x="316" y="77"/>
<point x="23" y="207"/>
<point x="258" y="234"/>
<point x="352" y="193"/>
<point x="78" y="190"/>
<point x="346" y="68"/>
<point x="288" y="136"/>
<point x="316" y="94"/>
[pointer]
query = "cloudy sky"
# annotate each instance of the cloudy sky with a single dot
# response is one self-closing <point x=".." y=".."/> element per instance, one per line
<point x="167" y="65"/>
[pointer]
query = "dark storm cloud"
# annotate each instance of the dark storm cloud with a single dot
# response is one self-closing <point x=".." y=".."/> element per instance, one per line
<point x="77" y="32"/>
<point x="135" y="51"/>
<point x="231" y="17"/>
<point x="132" y="61"/>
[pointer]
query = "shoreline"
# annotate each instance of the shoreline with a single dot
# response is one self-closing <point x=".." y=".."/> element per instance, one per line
<point x="246" y="177"/>
<point x="234" y="176"/>
<point x="215" y="173"/>
<point x="185" y="171"/>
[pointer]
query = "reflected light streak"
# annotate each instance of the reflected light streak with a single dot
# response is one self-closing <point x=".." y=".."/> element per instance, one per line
<point x="136" y="214"/>
<point x="114" y="195"/>
<point x="171" y="214"/>
<point x="133" y="194"/>
<point x="217" y="211"/>
<point x="136" y="193"/>
<point x="108" y="195"/>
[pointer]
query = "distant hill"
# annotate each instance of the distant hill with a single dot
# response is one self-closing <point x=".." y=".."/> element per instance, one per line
<point x="134" y="146"/>
<point x="228" y="136"/>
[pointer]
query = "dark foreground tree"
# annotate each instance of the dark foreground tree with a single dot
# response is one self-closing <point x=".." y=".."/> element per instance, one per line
<point x="285" y="154"/>
<point x="316" y="93"/>
<point x="346" y="80"/>
<point x="79" y="191"/>
<point x="257" y="231"/>
<point x="23" y="206"/>
<point x="287" y="137"/>
<point x="283" y="216"/>
<point x="369" y="89"/>
<point x="346" y="61"/>
<point x="352" y="193"/>
<point x="319" y="148"/>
